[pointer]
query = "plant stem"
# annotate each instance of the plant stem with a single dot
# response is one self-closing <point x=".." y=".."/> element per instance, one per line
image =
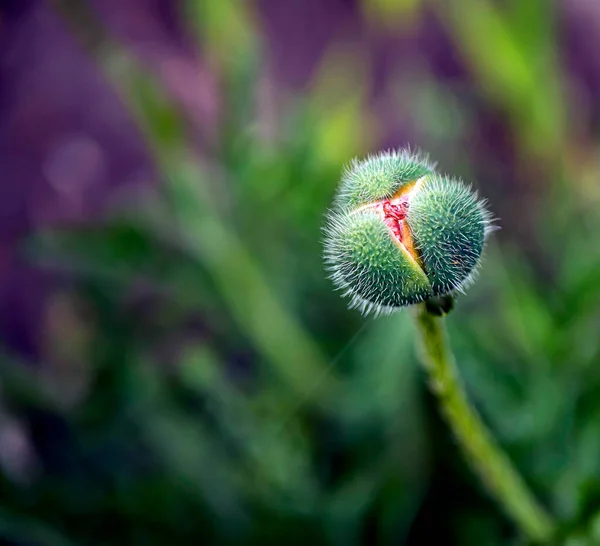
<point x="482" y="452"/>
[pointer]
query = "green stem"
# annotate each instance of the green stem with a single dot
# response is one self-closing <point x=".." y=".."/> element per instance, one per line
<point x="483" y="453"/>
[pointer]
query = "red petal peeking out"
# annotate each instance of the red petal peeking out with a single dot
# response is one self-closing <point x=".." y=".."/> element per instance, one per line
<point x="394" y="215"/>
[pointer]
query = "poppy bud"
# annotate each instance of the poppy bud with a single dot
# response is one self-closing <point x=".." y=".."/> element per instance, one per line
<point x="400" y="233"/>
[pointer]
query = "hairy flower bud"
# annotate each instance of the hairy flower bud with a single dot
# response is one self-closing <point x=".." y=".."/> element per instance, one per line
<point x="400" y="233"/>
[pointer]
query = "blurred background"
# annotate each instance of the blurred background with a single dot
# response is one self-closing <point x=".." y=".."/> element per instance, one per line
<point x="175" y="366"/>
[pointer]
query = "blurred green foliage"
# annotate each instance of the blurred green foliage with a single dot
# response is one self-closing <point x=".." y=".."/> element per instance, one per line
<point x="205" y="384"/>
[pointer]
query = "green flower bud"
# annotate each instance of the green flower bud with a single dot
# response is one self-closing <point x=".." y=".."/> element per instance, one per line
<point x="400" y="233"/>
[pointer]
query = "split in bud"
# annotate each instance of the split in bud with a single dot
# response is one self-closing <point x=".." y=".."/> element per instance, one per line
<point x="400" y="233"/>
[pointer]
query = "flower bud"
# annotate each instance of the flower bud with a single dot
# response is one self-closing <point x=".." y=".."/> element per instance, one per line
<point x="400" y="233"/>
